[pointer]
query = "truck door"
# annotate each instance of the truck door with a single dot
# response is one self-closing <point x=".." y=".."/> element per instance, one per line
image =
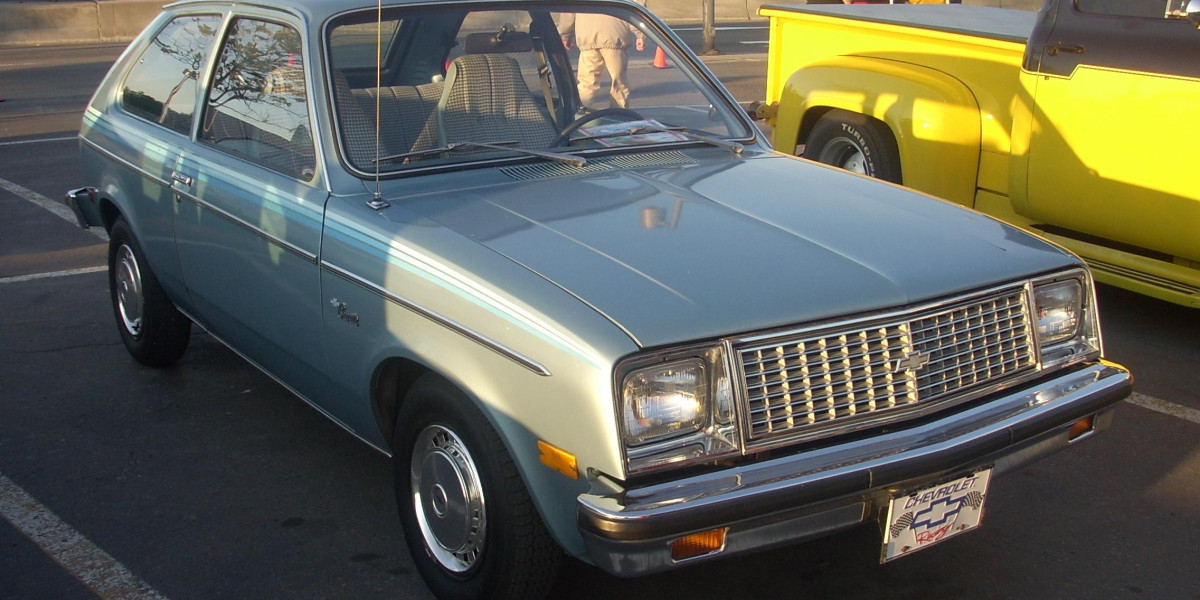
<point x="1115" y="128"/>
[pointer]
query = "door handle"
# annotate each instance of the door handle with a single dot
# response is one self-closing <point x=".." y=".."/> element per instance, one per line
<point x="1055" y="49"/>
<point x="180" y="178"/>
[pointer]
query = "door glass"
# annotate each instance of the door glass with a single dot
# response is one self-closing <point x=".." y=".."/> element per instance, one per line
<point x="161" y="87"/>
<point x="1152" y="9"/>
<point x="257" y="108"/>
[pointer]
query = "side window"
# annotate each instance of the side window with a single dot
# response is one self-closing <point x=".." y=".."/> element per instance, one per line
<point x="1152" y="9"/>
<point x="161" y="87"/>
<point x="257" y="108"/>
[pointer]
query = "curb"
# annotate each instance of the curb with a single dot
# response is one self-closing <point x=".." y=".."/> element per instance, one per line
<point x="67" y="23"/>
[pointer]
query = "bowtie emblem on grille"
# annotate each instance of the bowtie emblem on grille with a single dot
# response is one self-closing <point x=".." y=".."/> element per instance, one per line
<point x="911" y="362"/>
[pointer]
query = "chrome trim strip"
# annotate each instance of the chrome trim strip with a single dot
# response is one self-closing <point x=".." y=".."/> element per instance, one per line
<point x="131" y="166"/>
<point x="292" y="248"/>
<point x="442" y="320"/>
<point x="1159" y="281"/>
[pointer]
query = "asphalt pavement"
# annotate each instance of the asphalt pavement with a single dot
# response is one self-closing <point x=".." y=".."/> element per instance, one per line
<point x="208" y="480"/>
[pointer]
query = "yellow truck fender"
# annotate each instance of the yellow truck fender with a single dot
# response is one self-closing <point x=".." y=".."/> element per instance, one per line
<point x="933" y="117"/>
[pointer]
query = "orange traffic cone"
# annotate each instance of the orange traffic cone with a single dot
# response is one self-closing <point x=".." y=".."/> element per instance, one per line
<point x="660" y="59"/>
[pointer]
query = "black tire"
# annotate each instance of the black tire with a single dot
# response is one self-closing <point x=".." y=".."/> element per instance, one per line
<point x="154" y="331"/>
<point x="856" y="143"/>
<point x="469" y="523"/>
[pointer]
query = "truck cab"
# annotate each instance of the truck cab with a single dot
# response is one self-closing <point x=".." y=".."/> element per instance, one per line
<point x="1071" y="122"/>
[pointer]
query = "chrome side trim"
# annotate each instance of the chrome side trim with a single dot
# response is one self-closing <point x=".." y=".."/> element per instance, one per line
<point x="1143" y="277"/>
<point x="292" y="248"/>
<point x="129" y="165"/>
<point x="440" y="319"/>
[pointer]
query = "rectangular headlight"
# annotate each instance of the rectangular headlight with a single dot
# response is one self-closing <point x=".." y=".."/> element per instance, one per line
<point x="1068" y="326"/>
<point x="676" y="407"/>
<point x="664" y="401"/>
<point x="1059" y="310"/>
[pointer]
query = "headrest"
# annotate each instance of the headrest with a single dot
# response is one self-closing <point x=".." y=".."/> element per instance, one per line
<point x="506" y="40"/>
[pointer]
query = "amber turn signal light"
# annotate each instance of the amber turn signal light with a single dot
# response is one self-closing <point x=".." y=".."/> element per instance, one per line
<point x="558" y="459"/>
<point x="698" y="544"/>
<point x="1081" y="427"/>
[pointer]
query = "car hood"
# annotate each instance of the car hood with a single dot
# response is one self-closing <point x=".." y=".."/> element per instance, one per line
<point x="707" y="249"/>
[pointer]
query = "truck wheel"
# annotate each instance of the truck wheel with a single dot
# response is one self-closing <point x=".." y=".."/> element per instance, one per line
<point x="469" y="523"/>
<point x="856" y="143"/>
<point x="153" y="330"/>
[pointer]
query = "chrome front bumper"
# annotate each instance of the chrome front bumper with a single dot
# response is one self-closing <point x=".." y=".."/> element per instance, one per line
<point x="813" y="493"/>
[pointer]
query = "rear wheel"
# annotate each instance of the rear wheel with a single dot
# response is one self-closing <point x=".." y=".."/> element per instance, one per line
<point x="856" y="143"/>
<point x="469" y="522"/>
<point x="153" y="330"/>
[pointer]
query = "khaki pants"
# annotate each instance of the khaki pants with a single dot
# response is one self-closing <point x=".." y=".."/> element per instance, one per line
<point x="590" y="64"/>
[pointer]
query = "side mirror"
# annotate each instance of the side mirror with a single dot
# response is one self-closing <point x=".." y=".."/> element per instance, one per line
<point x="1193" y="12"/>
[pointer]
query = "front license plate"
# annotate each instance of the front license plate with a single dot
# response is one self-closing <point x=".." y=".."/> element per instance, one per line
<point x="927" y="516"/>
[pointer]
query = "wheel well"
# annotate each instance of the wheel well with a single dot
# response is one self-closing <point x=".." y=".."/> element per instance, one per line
<point x="109" y="213"/>
<point x="812" y="117"/>
<point x="393" y="379"/>
<point x="810" y="120"/>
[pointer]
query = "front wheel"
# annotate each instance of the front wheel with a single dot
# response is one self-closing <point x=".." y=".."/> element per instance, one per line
<point x="469" y="522"/>
<point x="153" y="330"/>
<point x="856" y="143"/>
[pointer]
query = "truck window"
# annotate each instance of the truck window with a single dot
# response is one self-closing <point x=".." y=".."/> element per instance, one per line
<point x="1151" y="9"/>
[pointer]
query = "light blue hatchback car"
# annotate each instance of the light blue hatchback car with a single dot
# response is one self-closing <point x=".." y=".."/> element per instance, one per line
<point x="626" y="331"/>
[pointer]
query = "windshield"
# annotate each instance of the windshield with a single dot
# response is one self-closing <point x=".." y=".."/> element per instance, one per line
<point x="454" y="86"/>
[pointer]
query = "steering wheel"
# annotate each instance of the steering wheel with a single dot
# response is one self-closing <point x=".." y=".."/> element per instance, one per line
<point x="564" y="138"/>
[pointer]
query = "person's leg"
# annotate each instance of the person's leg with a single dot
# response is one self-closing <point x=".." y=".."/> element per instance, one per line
<point x="590" y="64"/>
<point x="616" y="62"/>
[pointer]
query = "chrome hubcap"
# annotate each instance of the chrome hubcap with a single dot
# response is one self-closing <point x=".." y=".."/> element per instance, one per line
<point x="843" y="153"/>
<point x="130" y="301"/>
<point x="448" y="499"/>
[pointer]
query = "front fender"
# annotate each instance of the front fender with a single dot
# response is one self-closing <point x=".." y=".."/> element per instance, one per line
<point x="934" y="117"/>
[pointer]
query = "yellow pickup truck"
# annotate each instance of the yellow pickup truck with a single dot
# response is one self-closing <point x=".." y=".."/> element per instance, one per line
<point x="1080" y="122"/>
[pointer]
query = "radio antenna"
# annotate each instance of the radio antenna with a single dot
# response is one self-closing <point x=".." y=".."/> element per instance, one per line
<point x="377" y="202"/>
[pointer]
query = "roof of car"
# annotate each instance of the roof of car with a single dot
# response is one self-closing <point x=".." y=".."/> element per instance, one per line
<point x="319" y="10"/>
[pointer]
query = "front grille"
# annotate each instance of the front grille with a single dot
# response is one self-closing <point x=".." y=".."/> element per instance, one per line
<point x="809" y="383"/>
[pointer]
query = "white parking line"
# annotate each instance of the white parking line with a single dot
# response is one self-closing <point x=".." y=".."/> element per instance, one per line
<point x="34" y="276"/>
<point x="95" y="568"/>
<point x="57" y="208"/>
<point x="39" y="141"/>
<point x="1167" y="408"/>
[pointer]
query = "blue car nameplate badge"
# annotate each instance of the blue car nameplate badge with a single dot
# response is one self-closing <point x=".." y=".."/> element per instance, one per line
<point x="922" y="518"/>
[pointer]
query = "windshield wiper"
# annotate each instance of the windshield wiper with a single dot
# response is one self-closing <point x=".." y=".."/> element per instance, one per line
<point x="507" y="146"/>
<point x="734" y="147"/>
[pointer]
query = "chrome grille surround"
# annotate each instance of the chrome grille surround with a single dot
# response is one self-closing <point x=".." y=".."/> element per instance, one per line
<point x="818" y="381"/>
